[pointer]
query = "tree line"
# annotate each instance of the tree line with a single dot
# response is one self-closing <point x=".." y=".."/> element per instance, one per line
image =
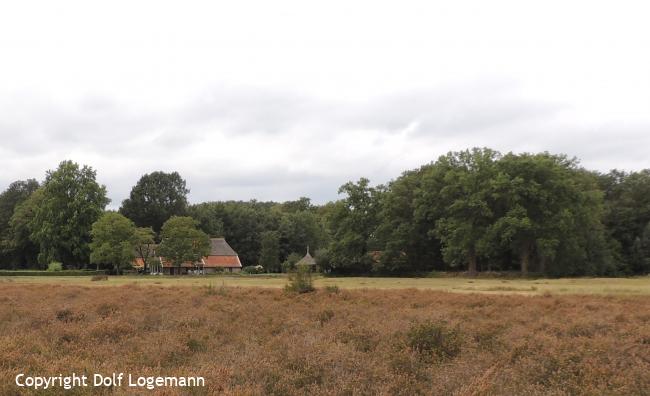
<point x="473" y="210"/>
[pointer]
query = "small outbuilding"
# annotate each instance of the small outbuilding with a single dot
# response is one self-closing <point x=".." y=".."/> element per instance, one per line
<point x="308" y="260"/>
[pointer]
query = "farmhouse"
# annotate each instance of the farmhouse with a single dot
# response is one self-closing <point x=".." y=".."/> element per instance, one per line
<point x="221" y="258"/>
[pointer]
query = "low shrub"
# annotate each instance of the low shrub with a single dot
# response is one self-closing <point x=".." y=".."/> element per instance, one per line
<point x="362" y="340"/>
<point x="50" y="273"/>
<point x="300" y="280"/>
<point x="333" y="289"/>
<point x="325" y="316"/>
<point x="195" y="345"/>
<point x="253" y="269"/>
<point x="289" y="264"/>
<point x="105" y="310"/>
<point x="54" y="266"/>
<point x="434" y="340"/>
<point x="67" y="316"/>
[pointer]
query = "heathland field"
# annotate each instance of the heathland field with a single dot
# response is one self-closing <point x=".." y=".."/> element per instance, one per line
<point x="600" y="286"/>
<point x="351" y="340"/>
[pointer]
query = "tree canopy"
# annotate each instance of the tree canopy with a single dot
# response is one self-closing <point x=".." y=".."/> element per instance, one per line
<point x="71" y="202"/>
<point x="155" y="198"/>
<point x="182" y="242"/>
<point x="114" y="242"/>
<point x="14" y="252"/>
<point x="473" y="210"/>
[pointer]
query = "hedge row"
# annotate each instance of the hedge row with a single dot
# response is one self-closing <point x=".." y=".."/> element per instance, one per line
<point x="51" y="273"/>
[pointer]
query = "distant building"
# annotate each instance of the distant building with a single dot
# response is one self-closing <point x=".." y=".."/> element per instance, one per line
<point x="307" y="260"/>
<point x="221" y="258"/>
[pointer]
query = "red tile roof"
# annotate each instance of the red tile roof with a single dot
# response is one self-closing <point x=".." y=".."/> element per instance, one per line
<point x="222" y="261"/>
<point x="186" y="264"/>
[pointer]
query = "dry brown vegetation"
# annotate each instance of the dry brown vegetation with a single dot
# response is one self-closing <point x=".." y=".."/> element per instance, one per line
<point x="264" y="341"/>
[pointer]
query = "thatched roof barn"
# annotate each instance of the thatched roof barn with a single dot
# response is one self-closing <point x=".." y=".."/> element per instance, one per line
<point x="307" y="260"/>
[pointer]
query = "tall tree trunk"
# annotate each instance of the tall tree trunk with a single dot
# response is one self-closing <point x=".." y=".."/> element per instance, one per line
<point x="471" y="267"/>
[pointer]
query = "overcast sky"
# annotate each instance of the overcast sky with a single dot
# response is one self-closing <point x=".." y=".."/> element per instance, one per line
<point x="274" y="100"/>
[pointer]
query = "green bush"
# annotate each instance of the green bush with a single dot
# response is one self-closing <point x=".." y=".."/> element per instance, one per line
<point x="253" y="269"/>
<point x="195" y="345"/>
<point x="300" y="280"/>
<point x="323" y="261"/>
<point x="50" y="273"/>
<point x="290" y="263"/>
<point x="434" y="340"/>
<point x="55" y="266"/>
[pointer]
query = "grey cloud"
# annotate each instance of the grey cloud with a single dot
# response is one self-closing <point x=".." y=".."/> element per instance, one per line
<point x="136" y="141"/>
<point x="246" y="110"/>
<point x="607" y="146"/>
<point x="279" y="184"/>
<point x="43" y="127"/>
<point x="447" y="110"/>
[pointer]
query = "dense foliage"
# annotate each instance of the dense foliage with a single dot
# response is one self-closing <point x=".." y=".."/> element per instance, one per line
<point x="182" y="242"/>
<point x="16" y="249"/>
<point x="71" y="201"/>
<point x="155" y="198"/>
<point x="114" y="242"/>
<point x="475" y="210"/>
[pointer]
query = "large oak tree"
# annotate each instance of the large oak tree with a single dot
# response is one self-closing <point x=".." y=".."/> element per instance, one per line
<point x="113" y="242"/>
<point x="155" y="198"/>
<point x="71" y="202"/>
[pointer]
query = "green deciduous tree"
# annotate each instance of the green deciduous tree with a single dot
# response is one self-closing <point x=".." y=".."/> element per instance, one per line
<point x="209" y="216"/>
<point x="469" y="212"/>
<point x="627" y="213"/>
<point x="536" y="194"/>
<point x="353" y="222"/>
<point x="20" y="241"/>
<point x="302" y="204"/>
<point x="71" y="202"/>
<point x="12" y="254"/>
<point x="408" y="214"/>
<point x="155" y="198"/>
<point x="640" y="257"/>
<point x="182" y="242"/>
<point x="547" y="205"/>
<point x="241" y="223"/>
<point x="299" y="229"/>
<point x="270" y="251"/>
<point x="144" y="245"/>
<point x="113" y="242"/>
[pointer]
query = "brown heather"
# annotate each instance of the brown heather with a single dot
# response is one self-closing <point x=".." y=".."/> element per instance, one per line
<point x="366" y="342"/>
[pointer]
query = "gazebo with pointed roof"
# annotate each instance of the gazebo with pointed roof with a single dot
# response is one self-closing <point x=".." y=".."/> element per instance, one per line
<point x="307" y="260"/>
